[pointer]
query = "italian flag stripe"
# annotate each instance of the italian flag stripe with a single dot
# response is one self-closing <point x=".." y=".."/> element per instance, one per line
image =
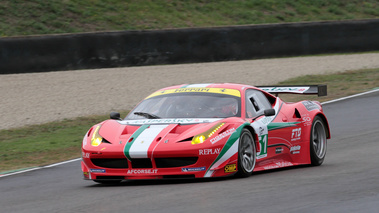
<point x="142" y="143"/>
<point x="230" y="148"/>
<point x="274" y="126"/>
<point x="134" y="137"/>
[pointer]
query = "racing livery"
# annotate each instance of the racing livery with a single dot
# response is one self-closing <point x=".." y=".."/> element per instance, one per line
<point x="207" y="130"/>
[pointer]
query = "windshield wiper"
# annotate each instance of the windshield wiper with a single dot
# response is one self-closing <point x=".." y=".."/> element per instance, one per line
<point x="147" y="115"/>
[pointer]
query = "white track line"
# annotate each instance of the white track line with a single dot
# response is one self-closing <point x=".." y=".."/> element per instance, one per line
<point x="19" y="172"/>
<point x="73" y="160"/>
<point x="64" y="162"/>
<point x="348" y="97"/>
<point x="39" y="167"/>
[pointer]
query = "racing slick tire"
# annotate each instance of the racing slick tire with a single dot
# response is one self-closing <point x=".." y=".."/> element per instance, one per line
<point x="318" y="141"/>
<point x="246" y="154"/>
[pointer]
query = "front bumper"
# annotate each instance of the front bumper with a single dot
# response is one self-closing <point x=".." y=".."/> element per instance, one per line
<point x="120" y="168"/>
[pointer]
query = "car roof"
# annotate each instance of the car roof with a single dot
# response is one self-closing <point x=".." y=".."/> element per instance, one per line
<point x="240" y="87"/>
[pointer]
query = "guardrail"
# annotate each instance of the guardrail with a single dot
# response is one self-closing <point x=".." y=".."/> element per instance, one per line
<point x="151" y="47"/>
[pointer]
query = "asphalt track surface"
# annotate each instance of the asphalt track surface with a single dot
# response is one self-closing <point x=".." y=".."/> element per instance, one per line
<point x="346" y="182"/>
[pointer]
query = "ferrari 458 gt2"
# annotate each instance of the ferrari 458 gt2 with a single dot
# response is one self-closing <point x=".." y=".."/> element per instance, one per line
<point x="207" y="130"/>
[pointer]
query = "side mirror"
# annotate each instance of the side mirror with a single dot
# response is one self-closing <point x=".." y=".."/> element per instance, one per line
<point x="269" y="112"/>
<point x="115" y="116"/>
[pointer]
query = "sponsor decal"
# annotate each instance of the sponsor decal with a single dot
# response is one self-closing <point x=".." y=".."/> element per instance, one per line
<point x="209" y="151"/>
<point x="85" y="155"/>
<point x="232" y="92"/>
<point x="278" y="165"/>
<point x="86" y="175"/>
<point x="169" y="121"/>
<point x="230" y="168"/>
<point x="261" y="130"/>
<point x="278" y="150"/>
<point x="266" y="120"/>
<point x="97" y="170"/>
<point x="197" y="169"/>
<point x="192" y="90"/>
<point x="142" y="171"/>
<point x="296" y="134"/>
<point x="306" y="120"/>
<point x="309" y="105"/>
<point x="222" y="135"/>
<point x="295" y="149"/>
<point x="285" y="89"/>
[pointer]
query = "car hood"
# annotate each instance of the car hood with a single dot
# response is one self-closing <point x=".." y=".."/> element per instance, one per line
<point x="177" y="130"/>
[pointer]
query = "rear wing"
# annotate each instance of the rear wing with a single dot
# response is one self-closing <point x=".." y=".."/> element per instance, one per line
<point x="319" y="90"/>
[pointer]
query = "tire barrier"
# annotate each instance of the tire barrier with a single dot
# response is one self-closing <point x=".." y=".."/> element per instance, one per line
<point x="189" y="45"/>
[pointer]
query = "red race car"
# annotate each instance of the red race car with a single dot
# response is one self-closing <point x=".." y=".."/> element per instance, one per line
<point x="207" y="130"/>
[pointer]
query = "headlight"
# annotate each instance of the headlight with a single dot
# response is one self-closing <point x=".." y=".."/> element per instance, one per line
<point x="200" y="138"/>
<point x="96" y="138"/>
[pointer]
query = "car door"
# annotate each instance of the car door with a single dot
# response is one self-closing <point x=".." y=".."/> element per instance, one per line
<point x="256" y="103"/>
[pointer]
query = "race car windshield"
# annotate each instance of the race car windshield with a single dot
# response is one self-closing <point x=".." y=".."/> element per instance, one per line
<point x="189" y="105"/>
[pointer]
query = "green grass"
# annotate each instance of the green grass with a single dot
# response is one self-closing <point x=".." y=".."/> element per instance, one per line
<point x="44" y="144"/>
<point x="38" y="145"/>
<point x="20" y="17"/>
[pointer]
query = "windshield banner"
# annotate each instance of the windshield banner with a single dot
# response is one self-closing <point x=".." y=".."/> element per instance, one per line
<point x="232" y="92"/>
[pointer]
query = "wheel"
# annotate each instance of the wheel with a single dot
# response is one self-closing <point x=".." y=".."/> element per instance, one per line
<point x="318" y="141"/>
<point x="246" y="154"/>
<point x="108" y="182"/>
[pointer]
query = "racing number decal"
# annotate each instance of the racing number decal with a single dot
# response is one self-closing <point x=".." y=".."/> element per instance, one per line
<point x="263" y="139"/>
<point x="262" y="133"/>
<point x="261" y="129"/>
